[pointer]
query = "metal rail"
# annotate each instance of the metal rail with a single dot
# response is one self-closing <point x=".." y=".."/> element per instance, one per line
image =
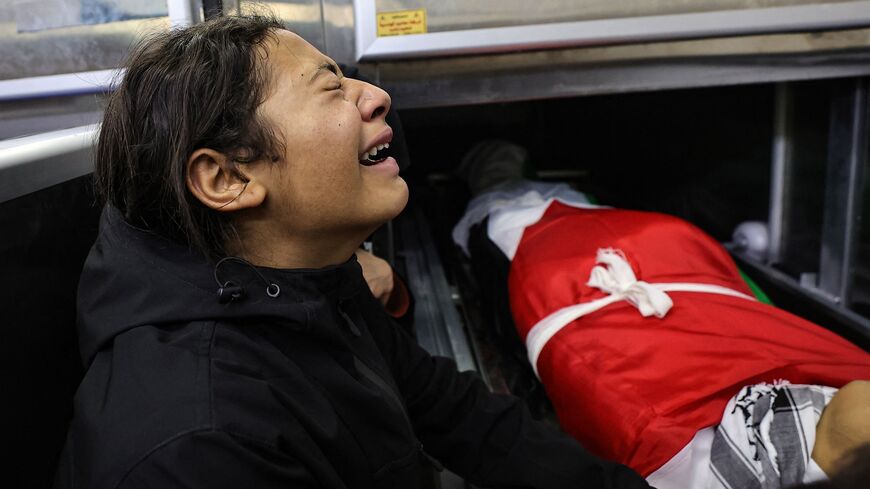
<point x="35" y="162"/>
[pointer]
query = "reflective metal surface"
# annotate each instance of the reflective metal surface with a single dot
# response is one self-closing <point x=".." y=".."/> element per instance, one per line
<point x="437" y="324"/>
<point x="788" y="294"/>
<point x="533" y="36"/>
<point x="304" y="17"/>
<point x="36" y="162"/>
<point x="326" y="24"/>
<point x="451" y="15"/>
<point x="780" y="168"/>
<point x="184" y="12"/>
<point x="847" y="158"/>
<point x="804" y="187"/>
<point x="65" y="84"/>
<point x="617" y="69"/>
<point x="338" y="26"/>
<point x="28" y="117"/>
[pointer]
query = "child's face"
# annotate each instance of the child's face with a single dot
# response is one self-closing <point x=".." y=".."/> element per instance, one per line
<point x="328" y="123"/>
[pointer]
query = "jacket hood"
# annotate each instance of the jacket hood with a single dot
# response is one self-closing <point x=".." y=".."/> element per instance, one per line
<point x="133" y="277"/>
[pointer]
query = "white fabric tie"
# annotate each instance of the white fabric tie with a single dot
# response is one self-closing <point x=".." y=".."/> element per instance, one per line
<point x="617" y="279"/>
<point x="614" y="276"/>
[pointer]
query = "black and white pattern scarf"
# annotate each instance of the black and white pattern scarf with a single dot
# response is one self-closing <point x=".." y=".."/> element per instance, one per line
<point x="766" y="437"/>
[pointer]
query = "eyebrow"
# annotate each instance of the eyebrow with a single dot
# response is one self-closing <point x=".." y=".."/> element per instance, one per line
<point x="325" y="66"/>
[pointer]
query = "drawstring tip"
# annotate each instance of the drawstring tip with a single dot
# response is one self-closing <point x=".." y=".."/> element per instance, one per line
<point x="229" y="293"/>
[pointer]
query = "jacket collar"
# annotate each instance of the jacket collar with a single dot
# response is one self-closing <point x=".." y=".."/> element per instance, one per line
<point x="133" y="277"/>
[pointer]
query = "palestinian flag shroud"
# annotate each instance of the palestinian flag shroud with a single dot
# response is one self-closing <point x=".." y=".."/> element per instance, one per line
<point x="636" y="389"/>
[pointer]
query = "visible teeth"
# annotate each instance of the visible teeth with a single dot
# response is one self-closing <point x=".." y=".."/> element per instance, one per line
<point x="370" y="154"/>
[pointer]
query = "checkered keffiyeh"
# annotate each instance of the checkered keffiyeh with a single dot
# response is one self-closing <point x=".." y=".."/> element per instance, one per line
<point x="766" y="437"/>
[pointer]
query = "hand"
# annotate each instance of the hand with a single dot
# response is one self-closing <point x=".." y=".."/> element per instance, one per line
<point x="378" y="274"/>
<point x="843" y="427"/>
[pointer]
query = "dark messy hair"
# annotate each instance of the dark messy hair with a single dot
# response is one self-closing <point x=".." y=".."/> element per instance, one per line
<point x="197" y="87"/>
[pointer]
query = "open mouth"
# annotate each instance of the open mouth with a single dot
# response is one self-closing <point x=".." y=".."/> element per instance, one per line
<point x="375" y="155"/>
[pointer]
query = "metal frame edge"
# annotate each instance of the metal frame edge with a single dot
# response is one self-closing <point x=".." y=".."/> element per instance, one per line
<point x="369" y="47"/>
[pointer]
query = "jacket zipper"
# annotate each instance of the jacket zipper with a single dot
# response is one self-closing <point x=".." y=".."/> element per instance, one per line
<point x="379" y="382"/>
<point x="385" y="387"/>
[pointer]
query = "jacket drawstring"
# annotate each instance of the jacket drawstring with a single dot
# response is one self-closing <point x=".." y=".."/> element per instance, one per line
<point x="230" y="291"/>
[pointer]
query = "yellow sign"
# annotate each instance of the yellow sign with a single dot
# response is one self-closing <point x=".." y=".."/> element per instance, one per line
<point x="402" y="22"/>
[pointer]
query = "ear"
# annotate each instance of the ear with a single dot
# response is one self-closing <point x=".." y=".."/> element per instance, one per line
<point x="216" y="182"/>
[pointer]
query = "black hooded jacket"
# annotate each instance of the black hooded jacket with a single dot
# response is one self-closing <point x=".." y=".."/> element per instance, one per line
<point x="316" y="387"/>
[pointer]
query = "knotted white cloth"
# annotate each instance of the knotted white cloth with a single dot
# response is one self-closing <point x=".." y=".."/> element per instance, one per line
<point x="614" y="275"/>
<point x="617" y="279"/>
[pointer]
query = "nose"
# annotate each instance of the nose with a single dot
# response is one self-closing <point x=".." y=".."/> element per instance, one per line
<point x="373" y="103"/>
